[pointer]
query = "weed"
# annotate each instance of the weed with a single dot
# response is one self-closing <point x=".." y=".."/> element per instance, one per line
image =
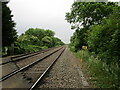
<point x="101" y="74"/>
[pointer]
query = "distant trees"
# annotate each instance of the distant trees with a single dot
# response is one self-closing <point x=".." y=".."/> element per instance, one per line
<point x="36" y="39"/>
<point x="9" y="34"/>
<point x="31" y="40"/>
<point x="47" y="41"/>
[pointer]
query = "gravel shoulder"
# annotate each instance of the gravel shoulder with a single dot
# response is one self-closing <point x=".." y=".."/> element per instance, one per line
<point x="66" y="73"/>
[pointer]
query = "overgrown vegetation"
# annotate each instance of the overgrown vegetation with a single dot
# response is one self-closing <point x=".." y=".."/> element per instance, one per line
<point x="97" y="26"/>
<point x="34" y="40"/>
<point x="30" y="41"/>
<point x="101" y="74"/>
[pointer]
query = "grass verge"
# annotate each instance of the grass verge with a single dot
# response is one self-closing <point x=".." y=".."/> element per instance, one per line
<point x="100" y="74"/>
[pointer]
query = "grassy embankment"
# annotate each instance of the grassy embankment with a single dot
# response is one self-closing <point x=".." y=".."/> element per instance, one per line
<point x="100" y="75"/>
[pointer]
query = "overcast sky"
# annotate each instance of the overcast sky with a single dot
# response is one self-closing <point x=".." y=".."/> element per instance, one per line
<point x="45" y="14"/>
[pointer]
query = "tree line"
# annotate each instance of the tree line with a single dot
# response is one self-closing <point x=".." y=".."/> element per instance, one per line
<point x="96" y="25"/>
<point x="34" y="39"/>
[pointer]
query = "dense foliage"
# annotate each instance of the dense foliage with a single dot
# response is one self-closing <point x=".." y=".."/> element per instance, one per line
<point x="96" y="25"/>
<point x="103" y="39"/>
<point x="9" y="34"/>
<point x="84" y="15"/>
<point x="87" y="14"/>
<point x="100" y="74"/>
<point x="35" y="40"/>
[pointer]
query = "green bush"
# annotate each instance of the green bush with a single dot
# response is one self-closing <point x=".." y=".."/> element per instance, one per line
<point x="72" y="48"/>
<point x="35" y="40"/>
<point x="103" y="39"/>
<point x="103" y="75"/>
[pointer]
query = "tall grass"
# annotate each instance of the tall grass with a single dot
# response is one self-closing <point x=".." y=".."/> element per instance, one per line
<point x="101" y="74"/>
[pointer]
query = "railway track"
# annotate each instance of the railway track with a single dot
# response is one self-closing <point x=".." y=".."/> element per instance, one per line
<point x="46" y="70"/>
<point x="23" y="56"/>
<point x="26" y="66"/>
<point x="35" y="71"/>
<point x="13" y="63"/>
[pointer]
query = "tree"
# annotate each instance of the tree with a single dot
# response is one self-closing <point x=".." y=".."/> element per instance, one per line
<point x="29" y="39"/>
<point x="39" y="33"/>
<point x="88" y="13"/>
<point x="47" y="41"/>
<point x="103" y="39"/>
<point x="49" y="33"/>
<point x="37" y="39"/>
<point x="57" y="42"/>
<point x="84" y="15"/>
<point x="78" y="39"/>
<point x="9" y="34"/>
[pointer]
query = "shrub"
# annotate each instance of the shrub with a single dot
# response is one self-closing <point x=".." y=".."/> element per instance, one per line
<point x="103" y="75"/>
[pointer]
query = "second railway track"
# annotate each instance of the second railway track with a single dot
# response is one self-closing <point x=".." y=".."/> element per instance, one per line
<point x="22" y="56"/>
<point x="34" y="71"/>
<point x="20" y="61"/>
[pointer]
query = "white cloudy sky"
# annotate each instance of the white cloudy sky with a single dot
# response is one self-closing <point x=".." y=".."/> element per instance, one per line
<point x="46" y="14"/>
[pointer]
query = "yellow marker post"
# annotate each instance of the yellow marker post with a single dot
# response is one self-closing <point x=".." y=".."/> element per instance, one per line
<point x="83" y="48"/>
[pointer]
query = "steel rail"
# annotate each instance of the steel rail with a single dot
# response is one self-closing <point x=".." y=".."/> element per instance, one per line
<point x="27" y="66"/>
<point x="30" y="55"/>
<point x="23" y="56"/>
<point x="16" y="58"/>
<point x="45" y="72"/>
<point x="12" y="57"/>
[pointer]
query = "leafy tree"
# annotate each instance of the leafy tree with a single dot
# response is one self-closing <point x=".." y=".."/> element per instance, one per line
<point x="52" y="41"/>
<point x="88" y="13"/>
<point x="84" y="15"/>
<point x="78" y="39"/>
<point x="49" y="33"/>
<point x="57" y="42"/>
<point x="40" y="33"/>
<point x="101" y="32"/>
<point x="9" y="34"/>
<point x="36" y="39"/>
<point x="29" y="39"/>
<point x="103" y="39"/>
<point x="47" y="41"/>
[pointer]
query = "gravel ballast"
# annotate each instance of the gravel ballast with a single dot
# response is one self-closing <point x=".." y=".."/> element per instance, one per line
<point x="65" y="73"/>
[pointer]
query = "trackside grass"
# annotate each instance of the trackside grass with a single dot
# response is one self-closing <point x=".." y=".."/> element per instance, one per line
<point x="101" y="74"/>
